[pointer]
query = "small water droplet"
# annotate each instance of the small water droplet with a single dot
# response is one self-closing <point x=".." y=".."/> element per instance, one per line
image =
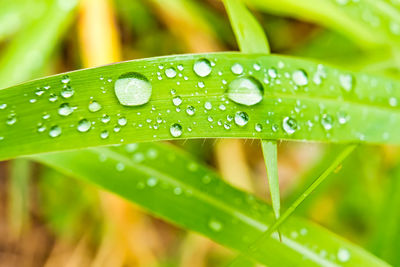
<point x="67" y="91"/>
<point x="343" y="255"/>
<point x="246" y="91"/>
<point x="65" y="109"/>
<point x="3" y="106"/>
<point x="122" y="121"/>
<point x="208" y="105"/>
<point x="152" y="182"/>
<point x="343" y="117"/>
<point x="53" y="97"/>
<point x="289" y="125"/>
<point x="55" y="131"/>
<point x="175" y="130"/>
<point x="65" y="79"/>
<point x="202" y="67"/>
<point x="11" y="120"/>
<point x="170" y="72"/>
<point x="177" y="100"/>
<point x="94" y="106"/>
<point x="190" y="110"/>
<point x="272" y="73"/>
<point x="104" y="134"/>
<point x="133" y="89"/>
<point x="237" y="69"/>
<point x="105" y="118"/>
<point x="347" y="82"/>
<point x="327" y="121"/>
<point x="83" y="126"/>
<point x="300" y="77"/>
<point x="258" y="127"/>
<point x="241" y="118"/>
<point x="215" y="225"/>
<point x="120" y="166"/>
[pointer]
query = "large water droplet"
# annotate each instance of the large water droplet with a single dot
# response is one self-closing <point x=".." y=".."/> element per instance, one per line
<point x="175" y="130"/>
<point x="83" y="126"/>
<point x="133" y="89"/>
<point x="202" y="67"/>
<point x="246" y="91"/>
<point x="300" y="77"/>
<point x="177" y="100"/>
<point x="241" y="118"/>
<point x="289" y="125"/>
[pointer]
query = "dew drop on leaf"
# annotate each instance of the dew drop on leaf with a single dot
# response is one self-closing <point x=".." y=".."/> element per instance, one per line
<point x="202" y="67"/>
<point x="104" y="134"/>
<point x="237" y="69"/>
<point x="246" y="91"/>
<point x="343" y="255"/>
<point x="55" y="131"/>
<point x="190" y="110"/>
<point x="175" y="130"/>
<point x="241" y="118"/>
<point x="300" y="77"/>
<point x="83" y="125"/>
<point x="94" y="106"/>
<point x="327" y="121"/>
<point x="65" y="109"/>
<point x="170" y="72"/>
<point x="133" y="89"/>
<point x="177" y="100"/>
<point x="215" y="225"/>
<point x="122" y="121"/>
<point x="67" y="91"/>
<point x="347" y="82"/>
<point x="289" y="125"/>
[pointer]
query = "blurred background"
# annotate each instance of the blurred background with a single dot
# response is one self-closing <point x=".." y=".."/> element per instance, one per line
<point x="47" y="219"/>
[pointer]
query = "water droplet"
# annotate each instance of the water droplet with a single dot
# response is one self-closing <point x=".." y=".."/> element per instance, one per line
<point x="319" y="75"/>
<point x="289" y="125"/>
<point x="41" y="128"/>
<point x="55" y="131"/>
<point x="122" y="121"/>
<point x="241" y="118"/>
<point x="39" y="91"/>
<point x="208" y="105"/>
<point x="393" y="101"/>
<point x="272" y="73"/>
<point x="170" y="72"/>
<point x="65" y="79"/>
<point x="343" y="255"/>
<point x="256" y="66"/>
<point x="177" y="100"/>
<point x="133" y="89"/>
<point x="120" y="166"/>
<point x="83" y="126"/>
<point x="237" y="69"/>
<point x="258" y="127"/>
<point x="104" y="134"/>
<point x="246" y="91"/>
<point x="175" y="130"/>
<point x="347" y="82"/>
<point x="343" y="117"/>
<point x="11" y="120"/>
<point x="152" y="181"/>
<point x="67" y="91"/>
<point x="202" y="67"/>
<point x="53" y="98"/>
<point x="105" y="118"/>
<point x="3" y="106"/>
<point x="300" y="77"/>
<point x="327" y="121"/>
<point x="94" y="106"/>
<point x="215" y="225"/>
<point x="65" y="109"/>
<point x="190" y="110"/>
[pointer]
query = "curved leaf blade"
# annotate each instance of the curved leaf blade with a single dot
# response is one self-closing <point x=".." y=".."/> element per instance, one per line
<point x="321" y="110"/>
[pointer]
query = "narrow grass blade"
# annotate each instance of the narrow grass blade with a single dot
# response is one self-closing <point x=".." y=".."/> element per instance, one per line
<point x="348" y="19"/>
<point x="249" y="34"/>
<point x="192" y="196"/>
<point x="266" y="237"/>
<point x="326" y="104"/>
<point x="270" y="152"/>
